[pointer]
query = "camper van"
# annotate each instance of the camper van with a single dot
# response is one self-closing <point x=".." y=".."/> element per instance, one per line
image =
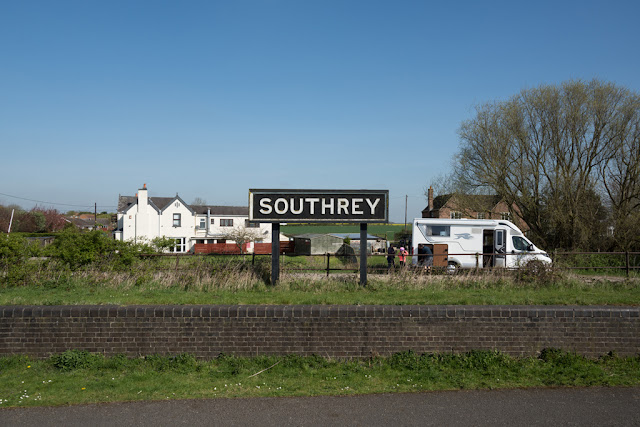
<point x="473" y="243"/>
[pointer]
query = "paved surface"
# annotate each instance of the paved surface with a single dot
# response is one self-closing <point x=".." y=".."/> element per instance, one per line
<point x="567" y="407"/>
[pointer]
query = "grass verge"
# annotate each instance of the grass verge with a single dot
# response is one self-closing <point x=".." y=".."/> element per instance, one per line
<point x="76" y="377"/>
<point x="200" y="287"/>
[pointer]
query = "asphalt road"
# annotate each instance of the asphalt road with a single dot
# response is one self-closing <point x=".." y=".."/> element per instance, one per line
<point x="567" y="407"/>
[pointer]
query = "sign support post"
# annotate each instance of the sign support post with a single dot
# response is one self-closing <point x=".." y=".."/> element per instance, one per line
<point x="318" y="206"/>
<point x="363" y="253"/>
<point x="275" y="253"/>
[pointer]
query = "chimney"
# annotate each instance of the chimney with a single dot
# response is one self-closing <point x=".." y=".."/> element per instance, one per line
<point x="143" y="199"/>
<point x="430" y="198"/>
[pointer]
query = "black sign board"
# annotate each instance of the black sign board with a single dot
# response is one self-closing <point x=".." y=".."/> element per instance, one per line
<point x="358" y="206"/>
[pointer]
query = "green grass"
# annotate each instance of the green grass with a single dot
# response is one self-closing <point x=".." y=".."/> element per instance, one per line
<point x="241" y="287"/>
<point x="243" y="280"/>
<point x="78" y="377"/>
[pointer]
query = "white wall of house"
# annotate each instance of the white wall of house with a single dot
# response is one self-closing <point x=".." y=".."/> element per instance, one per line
<point x="185" y="225"/>
<point x="143" y="222"/>
<point x="216" y="230"/>
<point x="140" y="222"/>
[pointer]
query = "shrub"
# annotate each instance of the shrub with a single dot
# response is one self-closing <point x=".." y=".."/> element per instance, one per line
<point x="76" y="250"/>
<point x="76" y="359"/>
<point x="14" y="255"/>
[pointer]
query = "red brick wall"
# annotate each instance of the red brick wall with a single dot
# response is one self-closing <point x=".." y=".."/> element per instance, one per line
<point x="216" y="248"/>
<point x="330" y="331"/>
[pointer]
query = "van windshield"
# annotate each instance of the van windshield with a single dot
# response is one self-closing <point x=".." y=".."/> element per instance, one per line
<point x="520" y="243"/>
<point x="434" y="230"/>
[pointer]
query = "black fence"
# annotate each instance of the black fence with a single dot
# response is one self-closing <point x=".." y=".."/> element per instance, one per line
<point x="621" y="262"/>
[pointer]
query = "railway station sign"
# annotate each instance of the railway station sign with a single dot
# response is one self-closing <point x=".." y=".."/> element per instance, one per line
<point x="357" y="206"/>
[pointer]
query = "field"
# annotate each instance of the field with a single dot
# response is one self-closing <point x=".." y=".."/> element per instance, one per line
<point x="386" y="231"/>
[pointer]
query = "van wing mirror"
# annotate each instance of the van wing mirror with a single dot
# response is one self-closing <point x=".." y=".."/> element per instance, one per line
<point x="530" y="247"/>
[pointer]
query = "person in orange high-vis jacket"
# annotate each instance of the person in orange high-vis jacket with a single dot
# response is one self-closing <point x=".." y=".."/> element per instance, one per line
<point x="402" y="256"/>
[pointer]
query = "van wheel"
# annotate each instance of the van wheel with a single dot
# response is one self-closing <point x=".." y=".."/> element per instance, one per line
<point x="452" y="267"/>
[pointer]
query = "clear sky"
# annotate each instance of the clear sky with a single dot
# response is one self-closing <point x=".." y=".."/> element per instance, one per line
<point x="210" y="98"/>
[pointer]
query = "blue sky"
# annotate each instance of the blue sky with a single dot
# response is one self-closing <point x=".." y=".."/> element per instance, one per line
<point x="208" y="98"/>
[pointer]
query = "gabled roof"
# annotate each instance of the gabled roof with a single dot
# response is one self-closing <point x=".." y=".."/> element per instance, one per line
<point x="178" y="198"/>
<point x="161" y="203"/>
<point x="158" y="203"/>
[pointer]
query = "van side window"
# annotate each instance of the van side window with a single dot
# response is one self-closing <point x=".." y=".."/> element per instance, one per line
<point x="520" y="244"/>
<point x="435" y="230"/>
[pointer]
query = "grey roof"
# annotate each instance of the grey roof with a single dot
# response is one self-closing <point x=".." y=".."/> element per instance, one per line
<point x="161" y="203"/>
<point x="221" y="210"/>
<point x="88" y="223"/>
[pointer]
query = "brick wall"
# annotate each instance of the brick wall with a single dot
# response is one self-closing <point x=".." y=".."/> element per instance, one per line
<point x="331" y="331"/>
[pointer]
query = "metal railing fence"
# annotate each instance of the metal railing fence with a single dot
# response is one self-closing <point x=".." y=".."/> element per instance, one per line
<point x="377" y="263"/>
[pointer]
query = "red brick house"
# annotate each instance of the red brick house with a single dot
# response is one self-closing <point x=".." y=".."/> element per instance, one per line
<point x="471" y="207"/>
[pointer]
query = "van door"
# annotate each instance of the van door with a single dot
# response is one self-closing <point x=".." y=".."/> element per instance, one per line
<point x="500" y="248"/>
<point x="440" y="255"/>
<point x="488" y="240"/>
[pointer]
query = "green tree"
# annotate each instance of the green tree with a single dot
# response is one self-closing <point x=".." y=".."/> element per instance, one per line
<point x="551" y="151"/>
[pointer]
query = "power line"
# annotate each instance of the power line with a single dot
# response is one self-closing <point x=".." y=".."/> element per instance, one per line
<point x="91" y="205"/>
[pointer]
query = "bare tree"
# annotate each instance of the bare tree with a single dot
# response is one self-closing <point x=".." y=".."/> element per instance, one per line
<point x="621" y="178"/>
<point x="544" y="150"/>
<point x="199" y="201"/>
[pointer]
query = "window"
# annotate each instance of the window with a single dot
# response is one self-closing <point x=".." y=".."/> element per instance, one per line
<point x="482" y="215"/>
<point x="226" y="223"/>
<point x="434" y="230"/>
<point x="505" y="216"/>
<point x="203" y="223"/>
<point x="180" y="244"/>
<point x="520" y="243"/>
<point x="213" y="221"/>
<point x="251" y="224"/>
<point x="456" y="215"/>
<point x="177" y="219"/>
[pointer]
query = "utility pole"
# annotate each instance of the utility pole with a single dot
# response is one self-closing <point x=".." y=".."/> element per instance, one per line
<point x="95" y="216"/>
<point x="406" y="197"/>
<point x="10" y="221"/>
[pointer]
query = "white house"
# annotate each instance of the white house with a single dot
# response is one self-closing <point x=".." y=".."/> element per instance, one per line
<point x="143" y="218"/>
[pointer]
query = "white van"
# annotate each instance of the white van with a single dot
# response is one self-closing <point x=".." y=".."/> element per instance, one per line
<point x="471" y="243"/>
